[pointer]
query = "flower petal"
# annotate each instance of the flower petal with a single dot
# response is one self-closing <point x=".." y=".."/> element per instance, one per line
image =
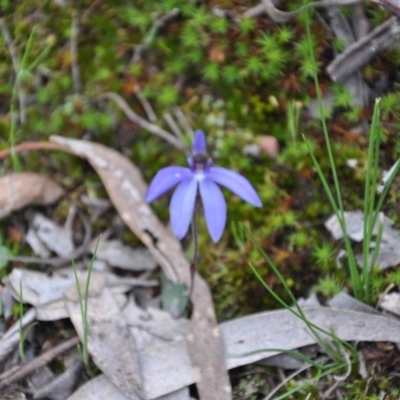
<point x="214" y="208"/>
<point x="165" y="179"/>
<point x="199" y="142"/>
<point x="182" y="206"/>
<point x="236" y="183"/>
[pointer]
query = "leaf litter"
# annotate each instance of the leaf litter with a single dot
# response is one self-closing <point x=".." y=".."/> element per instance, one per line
<point x="18" y="190"/>
<point x="147" y="352"/>
<point x="389" y="249"/>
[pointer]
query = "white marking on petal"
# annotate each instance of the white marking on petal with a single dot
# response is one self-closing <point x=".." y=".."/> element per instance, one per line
<point x="199" y="176"/>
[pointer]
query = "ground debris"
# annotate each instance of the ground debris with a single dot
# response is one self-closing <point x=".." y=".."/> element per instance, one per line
<point x="389" y="249"/>
<point x="19" y="190"/>
<point x="116" y="254"/>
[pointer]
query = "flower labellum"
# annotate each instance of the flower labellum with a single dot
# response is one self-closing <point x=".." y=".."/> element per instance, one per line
<point x="200" y="178"/>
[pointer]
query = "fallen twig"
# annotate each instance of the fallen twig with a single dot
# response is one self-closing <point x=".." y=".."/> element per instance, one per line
<point x="38" y="362"/>
<point x="156" y="26"/>
<point x="145" y="104"/>
<point x="287" y="379"/>
<point x="174" y="127"/>
<point x="156" y="130"/>
<point x="359" y="53"/>
<point x="28" y="146"/>
<point x="181" y="117"/>
<point x="285" y="16"/>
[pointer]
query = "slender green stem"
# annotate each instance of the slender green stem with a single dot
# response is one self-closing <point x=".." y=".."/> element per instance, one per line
<point x="83" y="304"/>
<point x="336" y="201"/>
<point x="298" y="312"/>
<point x="195" y="259"/>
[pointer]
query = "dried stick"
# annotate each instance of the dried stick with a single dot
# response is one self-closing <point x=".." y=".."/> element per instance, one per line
<point x="76" y="75"/>
<point x="284" y="16"/>
<point x="145" y="104"/>
<point x="38" y="362"/>
<point x="360" y="22"/>
<point x="123" y="105"/>
<point x="181" y="117"/>
<point x="271" y="394"/>
<point x="255" y="11"/>
<point x="359" y="53"/>
<point x="174" y="127"/>
<point x="156" y="26"/>
<point x="15" y="61"/>
<point x="28" y="146"/>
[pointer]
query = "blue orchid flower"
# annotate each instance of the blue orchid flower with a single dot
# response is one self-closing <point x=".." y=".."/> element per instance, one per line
<point x="200" y="178"/>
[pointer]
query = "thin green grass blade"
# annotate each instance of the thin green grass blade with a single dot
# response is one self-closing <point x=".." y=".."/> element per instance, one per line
<point x="337" y="202"/>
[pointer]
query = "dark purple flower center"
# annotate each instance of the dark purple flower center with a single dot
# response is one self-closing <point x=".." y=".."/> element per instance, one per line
<point x="199" y="161"/>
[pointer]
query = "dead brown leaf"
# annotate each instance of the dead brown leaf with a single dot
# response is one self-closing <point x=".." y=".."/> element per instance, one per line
<point x="19" y="190"/>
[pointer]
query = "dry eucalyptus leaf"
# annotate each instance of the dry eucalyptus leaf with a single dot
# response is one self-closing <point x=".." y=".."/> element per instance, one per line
<point x="36" y="244"/>
<point x="166" y="365"/>
<point x="388" y="255"/>
<point x="48" y="293"/>
<point x="100" y="388"/>
<point x="157" y="322"/>
<point x="344" y="301"/>
<point x="126" y="189"/>
<point x="283" y="330"/>
<point x="391" y="302"/>
<point x="37" y="287"/>
<point x="39" y="378"/>
<point x="118" y="255"/>
<point x="19" y="190"/>
<point x="355" y="227"/>
<point x="389" y="250"/>
<point x="55" y="237"/>
<point x="7" y="301"/>
<point x="310" y="301"/>
<point x="51" y="311"/>
<point x="62" y="386"/>
<point x="110" y="343"/>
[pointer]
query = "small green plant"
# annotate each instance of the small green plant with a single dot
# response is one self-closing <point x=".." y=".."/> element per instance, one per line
<point x="247" y="25"/>
<point x="22" y="334"/>
<point x="83" y="304"/>
<point x="211" y="71"/>
<point x="219" y="26"/>
<point x="335" y="348"/>
<point x="328" y="286"/>
<point x="231" y="74"/>
<point x="324" y="255"/>
<point x="360" y="281"/>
